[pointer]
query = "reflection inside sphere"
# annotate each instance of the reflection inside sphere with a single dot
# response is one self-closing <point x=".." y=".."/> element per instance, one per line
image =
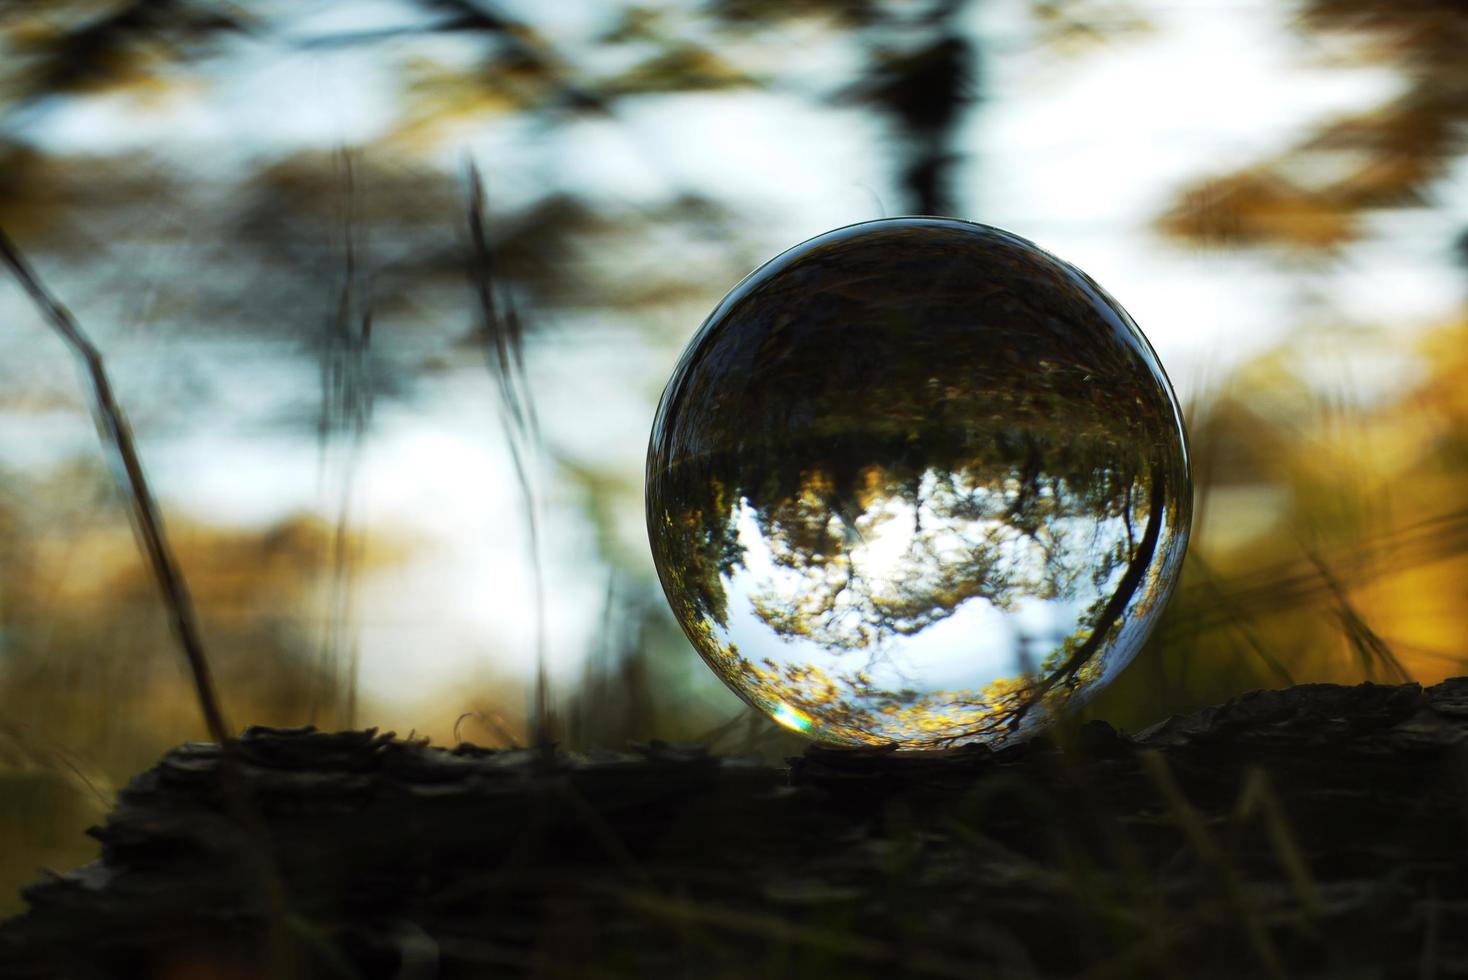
<point x="919" y="482"/>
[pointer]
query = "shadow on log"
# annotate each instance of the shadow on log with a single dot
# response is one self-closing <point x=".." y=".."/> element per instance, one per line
<point x="1318" y="831"/>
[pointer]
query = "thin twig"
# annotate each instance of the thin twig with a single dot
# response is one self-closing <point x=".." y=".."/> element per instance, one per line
<point x="147" y="519"/>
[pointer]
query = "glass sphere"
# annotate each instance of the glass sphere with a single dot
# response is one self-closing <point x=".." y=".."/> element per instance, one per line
<point x="918" y="481"/>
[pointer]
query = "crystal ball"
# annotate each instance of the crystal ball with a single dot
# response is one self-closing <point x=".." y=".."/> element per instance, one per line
<point x="918" y="482"/>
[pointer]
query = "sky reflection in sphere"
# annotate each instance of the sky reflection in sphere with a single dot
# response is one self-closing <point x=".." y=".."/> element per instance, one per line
<point x="917" y="481"/>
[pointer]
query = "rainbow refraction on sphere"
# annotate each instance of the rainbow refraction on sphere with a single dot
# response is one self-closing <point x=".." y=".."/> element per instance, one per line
<point x="918" y="481"/>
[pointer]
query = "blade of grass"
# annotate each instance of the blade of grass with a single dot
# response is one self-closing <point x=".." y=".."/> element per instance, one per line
<point x="1293" y="583"/>
<point x="1429" y="957"/>
<point x="755" y="925"/>
<point x="1240" y="622"/>
<point x="1190" y="822"/>
<point x="1369" y="647"/>
<point x="1258" y="796"/>
<point x="346" y="414"/>
<point x="503" y="335"/>
<point x="147" y="519"/>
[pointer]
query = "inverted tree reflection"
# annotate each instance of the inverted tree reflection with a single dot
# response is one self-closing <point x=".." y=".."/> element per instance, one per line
<point x="915" y="518"/>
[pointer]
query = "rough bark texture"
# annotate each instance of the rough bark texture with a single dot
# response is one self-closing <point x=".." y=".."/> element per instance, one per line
<point x="1319" y="831"/>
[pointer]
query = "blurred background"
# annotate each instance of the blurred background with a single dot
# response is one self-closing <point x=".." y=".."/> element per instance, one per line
<point x="260" y="212"/>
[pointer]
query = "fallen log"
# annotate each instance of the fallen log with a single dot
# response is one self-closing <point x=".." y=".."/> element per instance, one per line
<point x="1317" y="831"/>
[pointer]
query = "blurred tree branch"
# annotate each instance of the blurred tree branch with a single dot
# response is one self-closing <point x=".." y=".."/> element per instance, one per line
<point x="1313" y="196"/>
